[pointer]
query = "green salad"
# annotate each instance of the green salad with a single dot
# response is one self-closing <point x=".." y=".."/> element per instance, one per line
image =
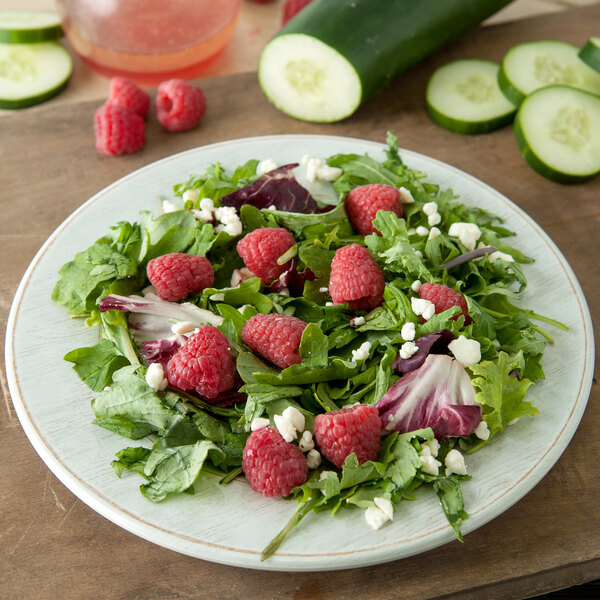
<point x="390" y="356"/>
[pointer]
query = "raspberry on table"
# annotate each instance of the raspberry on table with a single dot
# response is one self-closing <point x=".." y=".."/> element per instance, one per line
<point x="356" y="429"/>
<point x="175" y="276"/>
<point x="118" y="130"/>
<point x="204" y="364"/>
<point x="444" y="298"/>
<point x="179" y="105"/>
<point x="275" y="337"/>
<point x="356" y="278"/>
<point x="272" y="466"/>
<point x="291" y="8"/>
<point x="124" y="92"/>
<point x="260" y="250"/>
<point x="363" y="202"/>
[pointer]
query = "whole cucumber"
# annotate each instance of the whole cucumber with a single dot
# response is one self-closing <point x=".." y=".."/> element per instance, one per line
<point x="335" y="54"/>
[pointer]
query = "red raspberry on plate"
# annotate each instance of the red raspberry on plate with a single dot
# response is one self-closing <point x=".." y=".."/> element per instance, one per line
<point x="291" y="8"/>
<point x="272" y="466"/>
<point x="118" y="130"/>
<point x="275" y="337"/>
<point x="204" y="364"/>
<point x="124" y="92"/>
<point x="363" y="202"/>
<point x="175" y="276"/>
<point x="179" y="105"/>
<point x="339" y="433"/>
<point x="356" y="278"/>
<point x="444" y="298"/>
<point x="261" y="248"/>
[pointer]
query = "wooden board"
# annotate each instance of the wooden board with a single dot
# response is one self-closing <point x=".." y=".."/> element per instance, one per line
<point x="53" y="545"/>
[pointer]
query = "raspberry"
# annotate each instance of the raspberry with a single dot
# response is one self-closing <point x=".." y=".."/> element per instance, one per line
<point x="291" y="8"/>
<point x="118" y="130"/>
<point x="444" y="298"/>
<point x="261" y="248"/>
<point x="179" y="105"/>
<point x="355" y="278"/>
<point x="275" y="337"/>
<point x="175" y="276"/>
<point x="124" y="92"/>
<point x="204" y="364"/>
<point x="363" y="202"/>
<point x="273" y="466"/>
<point x="339" y="433"/>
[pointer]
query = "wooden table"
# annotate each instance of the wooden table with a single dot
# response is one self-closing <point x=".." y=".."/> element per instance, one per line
<point x="54" y="546"/>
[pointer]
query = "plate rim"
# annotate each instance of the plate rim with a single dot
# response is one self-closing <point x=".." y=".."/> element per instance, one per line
<point x="134" y="524"/>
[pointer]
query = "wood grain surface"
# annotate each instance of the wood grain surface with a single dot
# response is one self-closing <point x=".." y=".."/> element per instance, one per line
<point x="54" y="546"/>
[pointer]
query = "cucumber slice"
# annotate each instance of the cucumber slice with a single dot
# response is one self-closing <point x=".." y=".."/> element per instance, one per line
<point x="322" y="65"/>
<point x="557" y="128"/>
<point x="590" y="53"/>
<point x="464" y="96"/>
<point x="532" y="65"/>
<point x="32" y="73"/>
<point x="29" y="26"/>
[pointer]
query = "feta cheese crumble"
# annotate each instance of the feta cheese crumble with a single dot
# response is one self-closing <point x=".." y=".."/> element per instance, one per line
<point x="285" y="427"/>
<point x="361" y="353"/>
<point x="455" y="463"/>
<point x="422" y="230"/>
<point x="191" y="195"/>
<point x="415" y="286"/>
<point x="313" y="459"/>
<point x="408" y="331"/>
<point x="386" y="506"/>
<point x="169" y="207"/>
<point x="500" y="256"/>
<point x="466" y="351"/>
<point x="430" y="465"/>
<point x="306" y="442"/>
<point x="155" y="377"/>
<point x="431" y="446"/>
<point x="357" y="321"/>
<point x="406" y="196"/>
<point x="408" y="349"/>
<point x="434" y="219"/>
<point x="467" y="233"/>
<point x="433" y="233"/>
<point x="259" y="423"/>
<point x="182" y="327"/>
<point x="422" y="308"/>
<point x="430" y="208"/>
<point x="482" y="431"/>
<point x="376" y="517"/>
<point x="317" y="170"/>
<point x="264" y="166"/>
<point x="295" y="416"/>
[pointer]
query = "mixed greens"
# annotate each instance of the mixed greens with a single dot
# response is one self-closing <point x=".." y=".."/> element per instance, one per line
<point x="192" y="437"/>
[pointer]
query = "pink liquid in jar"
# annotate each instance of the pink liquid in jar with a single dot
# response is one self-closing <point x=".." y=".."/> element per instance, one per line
<point x="149" y="40"/>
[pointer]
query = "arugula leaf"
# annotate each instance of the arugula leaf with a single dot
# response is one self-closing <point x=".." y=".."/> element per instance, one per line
<point x="130" y="400"/>
<point x="95" y="365"/>
<point x="394" y="248"/>
<point x="173" y="470"/>
<point x="451" y="498"/>
<point x="501" y="393"/>
<point x="313" y="346"/>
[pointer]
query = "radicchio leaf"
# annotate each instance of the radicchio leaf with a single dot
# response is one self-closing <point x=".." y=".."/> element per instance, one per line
<point x="439" y="394"/>
<point x="159" y="351"/>
<point x="293" y="280"/>
<point x="431" y="343"/>
<point x="278" y="188"/>
<point x="152" y="318"/>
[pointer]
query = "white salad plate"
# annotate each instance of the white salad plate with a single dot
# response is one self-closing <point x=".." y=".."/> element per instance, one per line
<point x="232" y="524"/>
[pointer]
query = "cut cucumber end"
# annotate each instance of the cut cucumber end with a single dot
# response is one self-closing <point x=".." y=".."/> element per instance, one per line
<point x="308" y="80"/>
<point x="29" y="26"/>
<point x="590" y="53"/>
<point x="555" y="129"/>
<point x="464" y="97"/>
<point x="32" y="73"/>
<point x="533" y="65"/>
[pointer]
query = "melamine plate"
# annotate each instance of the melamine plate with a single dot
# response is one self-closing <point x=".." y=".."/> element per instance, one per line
<point x="232" y="524"/>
